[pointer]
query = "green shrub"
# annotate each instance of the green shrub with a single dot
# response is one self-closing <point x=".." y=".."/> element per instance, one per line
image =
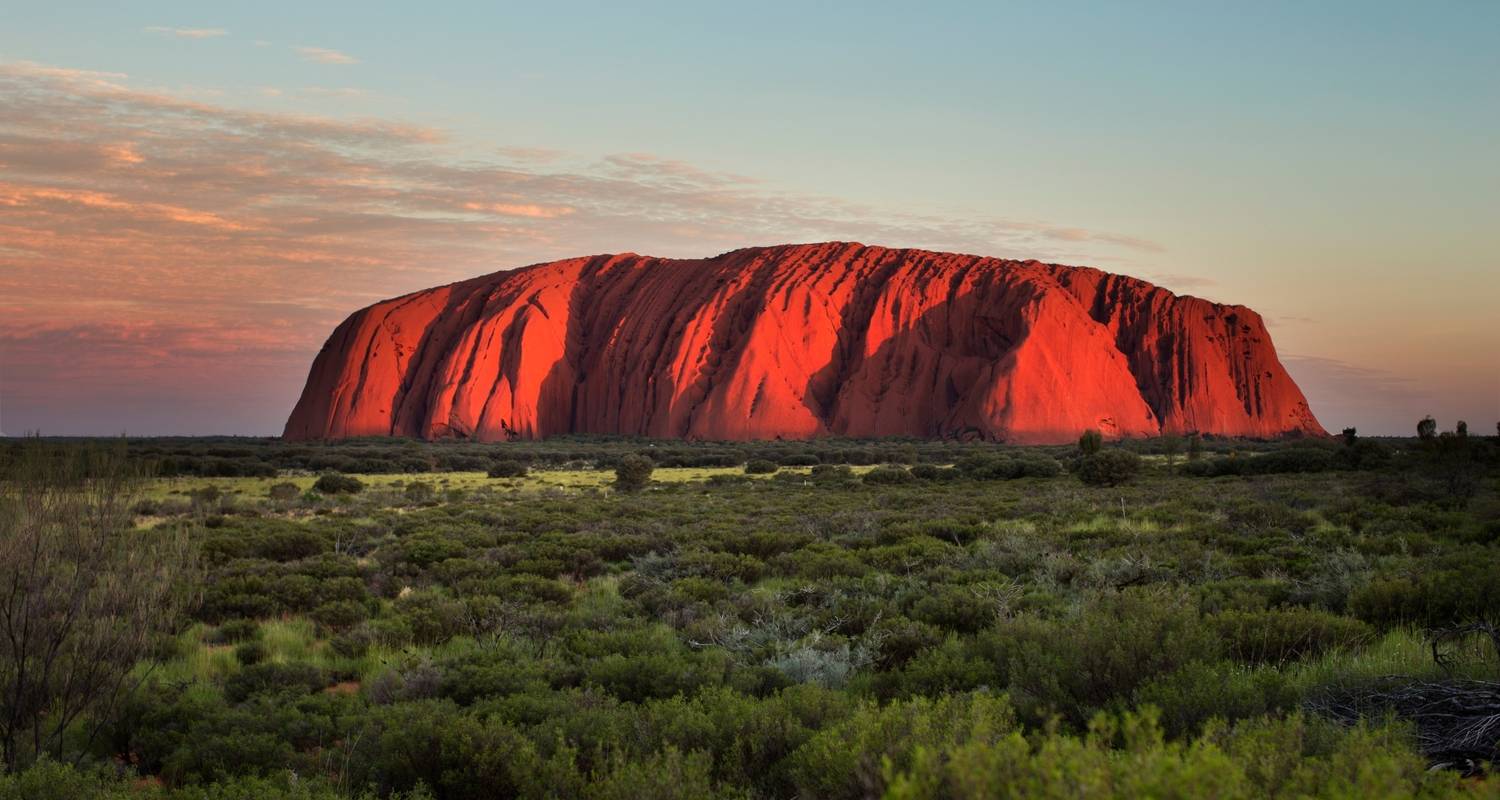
<point x="888" y="475"/>
<point x="431" y="616"/>
<point x="334" y="483"/>
<point x="1469" y="592"/>
<point x="353" y="643"/>
<point x="338" y="615"/>
<point x="1127" y="756"/>
<point x="252" y="652"/>
<point x="50" y="780"/>
<point x="1108" y="467"/>
<point x="931" y="472"/>
<point x="760" y="466"/>
<point x="1075" y="667"/>
<point x="273" y="678"/>
<point x="507" y="469"/>
<point x="285" y="492"/>
<point x="1283" y="635"/>
<point x="667" y="775"/>
<point x="237" y="630"/>
<point x="633" y="473"/>
<point x="418" y="492"/>
<point x="1190" y="697"/>
<point x="857" y="757"/>
<point x="826" y="474"/>
<point x="1090" y="442"/>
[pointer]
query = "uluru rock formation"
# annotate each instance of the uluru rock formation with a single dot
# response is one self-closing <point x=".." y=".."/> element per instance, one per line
<point x="800" y="341"/>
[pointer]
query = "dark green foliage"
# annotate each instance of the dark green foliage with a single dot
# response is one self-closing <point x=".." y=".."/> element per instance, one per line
<point x="274" y="678"/>
<point x="285" y="492"/>
<point x="887" y="475"/>
<point x="507" y="469"/>
<point x="338" y="615"/>
<point x="1466" y="591"/>
<point x="1362" y="455"/>
<point x="1116" y="643"/>
<point x="1111" y="467"/>
<point x="1282" y="635"/>
<point x="418" y="492"/>
<point x="251" y="652"/>
<point x="1009" y="466"/>
<point x="830" y="474"/>
<point x="932" y="472"/>
<point x="1090" y="442"/>
<point x="335" y="483"/>
<point x="237" y="630"/>
<point x="633" y="473"/>
<point x="856" y="757"/>
<point x="761" y="466"/>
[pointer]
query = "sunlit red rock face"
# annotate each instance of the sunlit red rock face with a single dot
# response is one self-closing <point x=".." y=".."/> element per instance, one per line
<point x="799" y="341"/>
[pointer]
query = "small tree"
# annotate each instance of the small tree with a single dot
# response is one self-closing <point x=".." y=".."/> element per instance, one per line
<point x="88" y="596"/>
<point x="284" y="492"/>
<point x="1170" y="447"/>
<point x="633" y="473"/>
<point x="1108" y="467"/>
<point x="1090" y="442"/>
<point x="1195" y="447"/>
<point x="1350" y="437"/>
<point x="1427" y="429"/>
<point x="1462" y="428"/>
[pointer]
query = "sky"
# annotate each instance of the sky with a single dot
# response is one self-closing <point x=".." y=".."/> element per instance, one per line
<point x="192" y="195"/>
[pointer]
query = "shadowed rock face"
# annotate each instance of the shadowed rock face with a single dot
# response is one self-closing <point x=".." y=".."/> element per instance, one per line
<point x="799" y="341"/>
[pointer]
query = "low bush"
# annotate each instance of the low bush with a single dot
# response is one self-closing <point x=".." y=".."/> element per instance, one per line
<point x="887" y="475"/>
<point x="633" y="473"/>
<point x="507" y="469"/>
<point x="1282" y="635"/>
<point x="251" y="653"/>
<point x="334" y="483"/>
<point x="1111" y="467"/>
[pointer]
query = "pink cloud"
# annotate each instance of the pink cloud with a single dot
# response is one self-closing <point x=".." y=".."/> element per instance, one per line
<point x="188" y="33"/>
<point x="199" y="253"/>
<point x="323" y="55"/>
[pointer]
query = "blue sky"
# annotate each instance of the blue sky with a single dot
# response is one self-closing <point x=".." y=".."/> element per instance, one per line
<point x="1332" y="165"/>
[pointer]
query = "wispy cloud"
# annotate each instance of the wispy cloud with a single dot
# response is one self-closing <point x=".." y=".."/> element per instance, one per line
<point x="187" y="33"/>
<point x="323" y="55"/>
<point x="174" y="239"/>
<point x="1181" y="283"/>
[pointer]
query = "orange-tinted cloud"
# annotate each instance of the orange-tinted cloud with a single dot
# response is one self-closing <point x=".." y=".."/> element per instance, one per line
<point x="169" y="251"/>
<point x="188" y="33"/>
<point x="323" y="55"/>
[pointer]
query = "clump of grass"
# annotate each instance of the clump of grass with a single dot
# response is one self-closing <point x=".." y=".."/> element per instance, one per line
<point x="1403" y="653"/>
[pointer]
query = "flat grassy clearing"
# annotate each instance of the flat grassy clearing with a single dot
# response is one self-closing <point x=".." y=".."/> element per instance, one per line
<point x="257" y="488"/>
